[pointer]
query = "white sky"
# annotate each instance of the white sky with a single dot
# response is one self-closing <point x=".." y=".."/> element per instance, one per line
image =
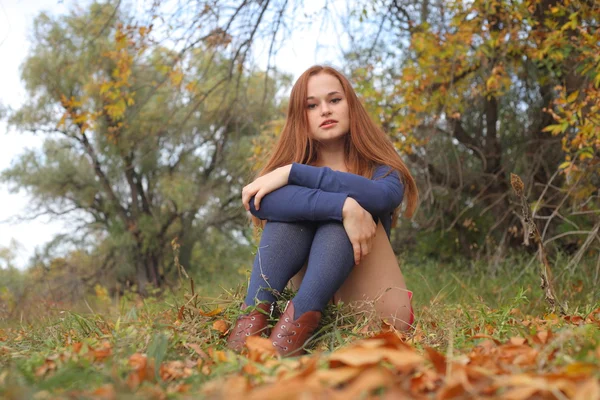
<point x="16" y="20"/>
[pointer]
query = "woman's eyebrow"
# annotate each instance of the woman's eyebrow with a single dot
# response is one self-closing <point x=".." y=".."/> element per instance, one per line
<point x="328" y="94"/>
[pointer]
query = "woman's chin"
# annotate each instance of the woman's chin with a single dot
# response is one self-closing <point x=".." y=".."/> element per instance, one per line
<point x="329" y="138"/>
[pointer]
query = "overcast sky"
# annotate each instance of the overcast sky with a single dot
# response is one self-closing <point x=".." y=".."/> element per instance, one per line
<point x="16" y="19"/>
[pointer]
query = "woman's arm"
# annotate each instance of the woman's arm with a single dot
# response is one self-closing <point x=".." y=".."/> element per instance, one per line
<point x="295" y="203"/>
<point x="376" y="196"/>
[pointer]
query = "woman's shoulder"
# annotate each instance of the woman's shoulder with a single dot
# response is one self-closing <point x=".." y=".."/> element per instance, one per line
<point x="381" y="170"/>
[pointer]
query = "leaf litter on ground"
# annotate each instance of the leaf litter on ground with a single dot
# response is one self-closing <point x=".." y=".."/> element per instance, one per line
<point x="452" y="353"/>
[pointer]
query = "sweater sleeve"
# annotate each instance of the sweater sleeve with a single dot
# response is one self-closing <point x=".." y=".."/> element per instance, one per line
<point x="295" y="203"/>
<point x="377" y="196"/>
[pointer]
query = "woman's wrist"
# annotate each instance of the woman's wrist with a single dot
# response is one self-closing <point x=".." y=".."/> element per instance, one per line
<point x="285" y="171"/>
<point x="349" y="206"/>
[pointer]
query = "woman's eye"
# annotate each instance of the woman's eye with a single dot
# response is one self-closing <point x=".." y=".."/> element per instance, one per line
<point x="311" y="106"/>
<point x="336" y="100"/>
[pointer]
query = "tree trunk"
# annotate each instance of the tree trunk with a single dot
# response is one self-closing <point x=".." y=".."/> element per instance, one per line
<point x="147" y="269"/>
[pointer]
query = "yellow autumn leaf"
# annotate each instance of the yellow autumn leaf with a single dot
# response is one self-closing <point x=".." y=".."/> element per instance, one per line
<point x="573" y="96"/>
<point x="564" y="165"/>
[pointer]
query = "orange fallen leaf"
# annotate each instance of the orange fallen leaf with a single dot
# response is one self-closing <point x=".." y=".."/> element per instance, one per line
<point x="250" y="369"/>
<point x="234" y="387"/>
<point x="141" y="370"/>
<point x="105" y="392"/>
<point x="335" y="376"/>
<point x="103" y="352"/>
<point x="590" y="389"/>
<point x="574" y="319"/>
<point x="424" y="381"/>
<point x="437" y="359"/>
<point x="542" y="337"/>
<point x="359" y="356"/>
<point x="77" y="347"/>
<point x="259" y="348"/>
<point x="212" y="313"/>
<point x="179" y="387"/>
<point x="369" y="380"/>
<point x="581" y="368"/>
<point x="454" y="390"/>
<point x="221" y="326"/>
<point x="47" y="366"/>
<point x="205" y="370"/>
<point x="180" y="313"/>
<point x="217" y="355"/>
<point x="484" y="336"/>
<point x="516" y="340"/>
<point x="284" y="390"/>
<point x="520" y="393"/>
<point x="172" y="370"/>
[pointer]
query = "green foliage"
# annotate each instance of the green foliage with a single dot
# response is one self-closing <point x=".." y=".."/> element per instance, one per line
<point x="470" y="91"/>
<point x="142" y="143"/>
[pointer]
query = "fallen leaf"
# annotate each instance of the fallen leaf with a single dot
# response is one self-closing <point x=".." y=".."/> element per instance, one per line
<point x="172" y="370"/>
<point x="437" y="359"/>
<point x="259" y="348"/>
<point x="335" y="376"/>
<point x="590" y="389"/>
<point x="283" y="390"/>
<point x="105" y="392"/>
<point x="141" y="370"/>
<point x="221" y="326"/>
<point x="103" y="352"/>
<point x="178" y="387"/>
<point x="542" y="337"/>
<point x="368" y="381"/>
<point x="217" y="355"/>
<point x="198" y="350"/>
<point x="581" y="368"/>
<point x="360" y="356"/>
<point x="77" y="346"/>
<point x="250" y="369"/>
<point x="516" y="340"/>
<point x="424" y="381"/>
<point x="47" y="366"/>
<point x="212" y="313"/>
<point x="484" y="336"/>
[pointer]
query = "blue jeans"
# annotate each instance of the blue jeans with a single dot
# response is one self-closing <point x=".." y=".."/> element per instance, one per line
<point x="283" y="250"/>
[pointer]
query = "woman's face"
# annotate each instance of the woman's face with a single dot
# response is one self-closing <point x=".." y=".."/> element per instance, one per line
<point x="327" y="108"/>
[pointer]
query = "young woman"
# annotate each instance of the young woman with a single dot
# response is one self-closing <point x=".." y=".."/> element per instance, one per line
<point x="327" y="199"/>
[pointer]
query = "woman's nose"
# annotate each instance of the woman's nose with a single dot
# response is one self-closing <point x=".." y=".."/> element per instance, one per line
<point x="325" y="109"/>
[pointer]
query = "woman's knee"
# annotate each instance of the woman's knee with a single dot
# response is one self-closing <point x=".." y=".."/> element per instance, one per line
<point x="288" y="231"/>
<point x="331" y="237"/>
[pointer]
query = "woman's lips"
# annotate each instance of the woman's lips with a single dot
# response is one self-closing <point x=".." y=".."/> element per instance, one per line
<point x="329" y="124"/>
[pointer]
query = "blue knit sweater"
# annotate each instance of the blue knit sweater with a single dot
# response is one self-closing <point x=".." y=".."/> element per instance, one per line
<point x="319" y="193"/>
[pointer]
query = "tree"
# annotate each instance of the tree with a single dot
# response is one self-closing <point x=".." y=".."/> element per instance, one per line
<point x="141" y="141"/>
<point x="471" y="91"/>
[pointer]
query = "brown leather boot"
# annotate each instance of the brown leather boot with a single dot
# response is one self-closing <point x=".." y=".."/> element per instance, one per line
<point x="252" y="324"/>
<point x="289" y="335"/>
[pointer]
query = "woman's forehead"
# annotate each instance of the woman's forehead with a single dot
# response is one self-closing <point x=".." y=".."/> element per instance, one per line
<point x="322" y="85"/>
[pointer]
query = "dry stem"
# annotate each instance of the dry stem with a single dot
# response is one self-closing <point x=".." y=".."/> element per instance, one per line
<point x="531" y="232"/>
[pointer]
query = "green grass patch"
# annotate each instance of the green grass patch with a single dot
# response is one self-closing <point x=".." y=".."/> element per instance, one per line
<point x="83" y="349"/>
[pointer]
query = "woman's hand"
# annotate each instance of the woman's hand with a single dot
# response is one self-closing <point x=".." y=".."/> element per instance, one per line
<point x="360" y="227"/>
<point x="265" y="185"/>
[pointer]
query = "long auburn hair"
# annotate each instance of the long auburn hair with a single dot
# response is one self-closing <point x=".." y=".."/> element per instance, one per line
<point x="367" y="146"/>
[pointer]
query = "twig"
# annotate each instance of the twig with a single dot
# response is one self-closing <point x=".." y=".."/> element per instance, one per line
<point x="175" y="246"/>
<point x="531" y="232"/>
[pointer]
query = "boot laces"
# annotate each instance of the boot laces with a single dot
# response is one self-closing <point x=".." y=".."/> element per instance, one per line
<point x="285" y="333"/>
<point x="241" y="323"/>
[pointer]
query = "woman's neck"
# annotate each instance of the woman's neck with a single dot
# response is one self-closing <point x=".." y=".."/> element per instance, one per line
<point x="332" y="156"/>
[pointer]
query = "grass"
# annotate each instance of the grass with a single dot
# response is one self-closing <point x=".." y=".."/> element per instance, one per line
<point x="89" y="351"/>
